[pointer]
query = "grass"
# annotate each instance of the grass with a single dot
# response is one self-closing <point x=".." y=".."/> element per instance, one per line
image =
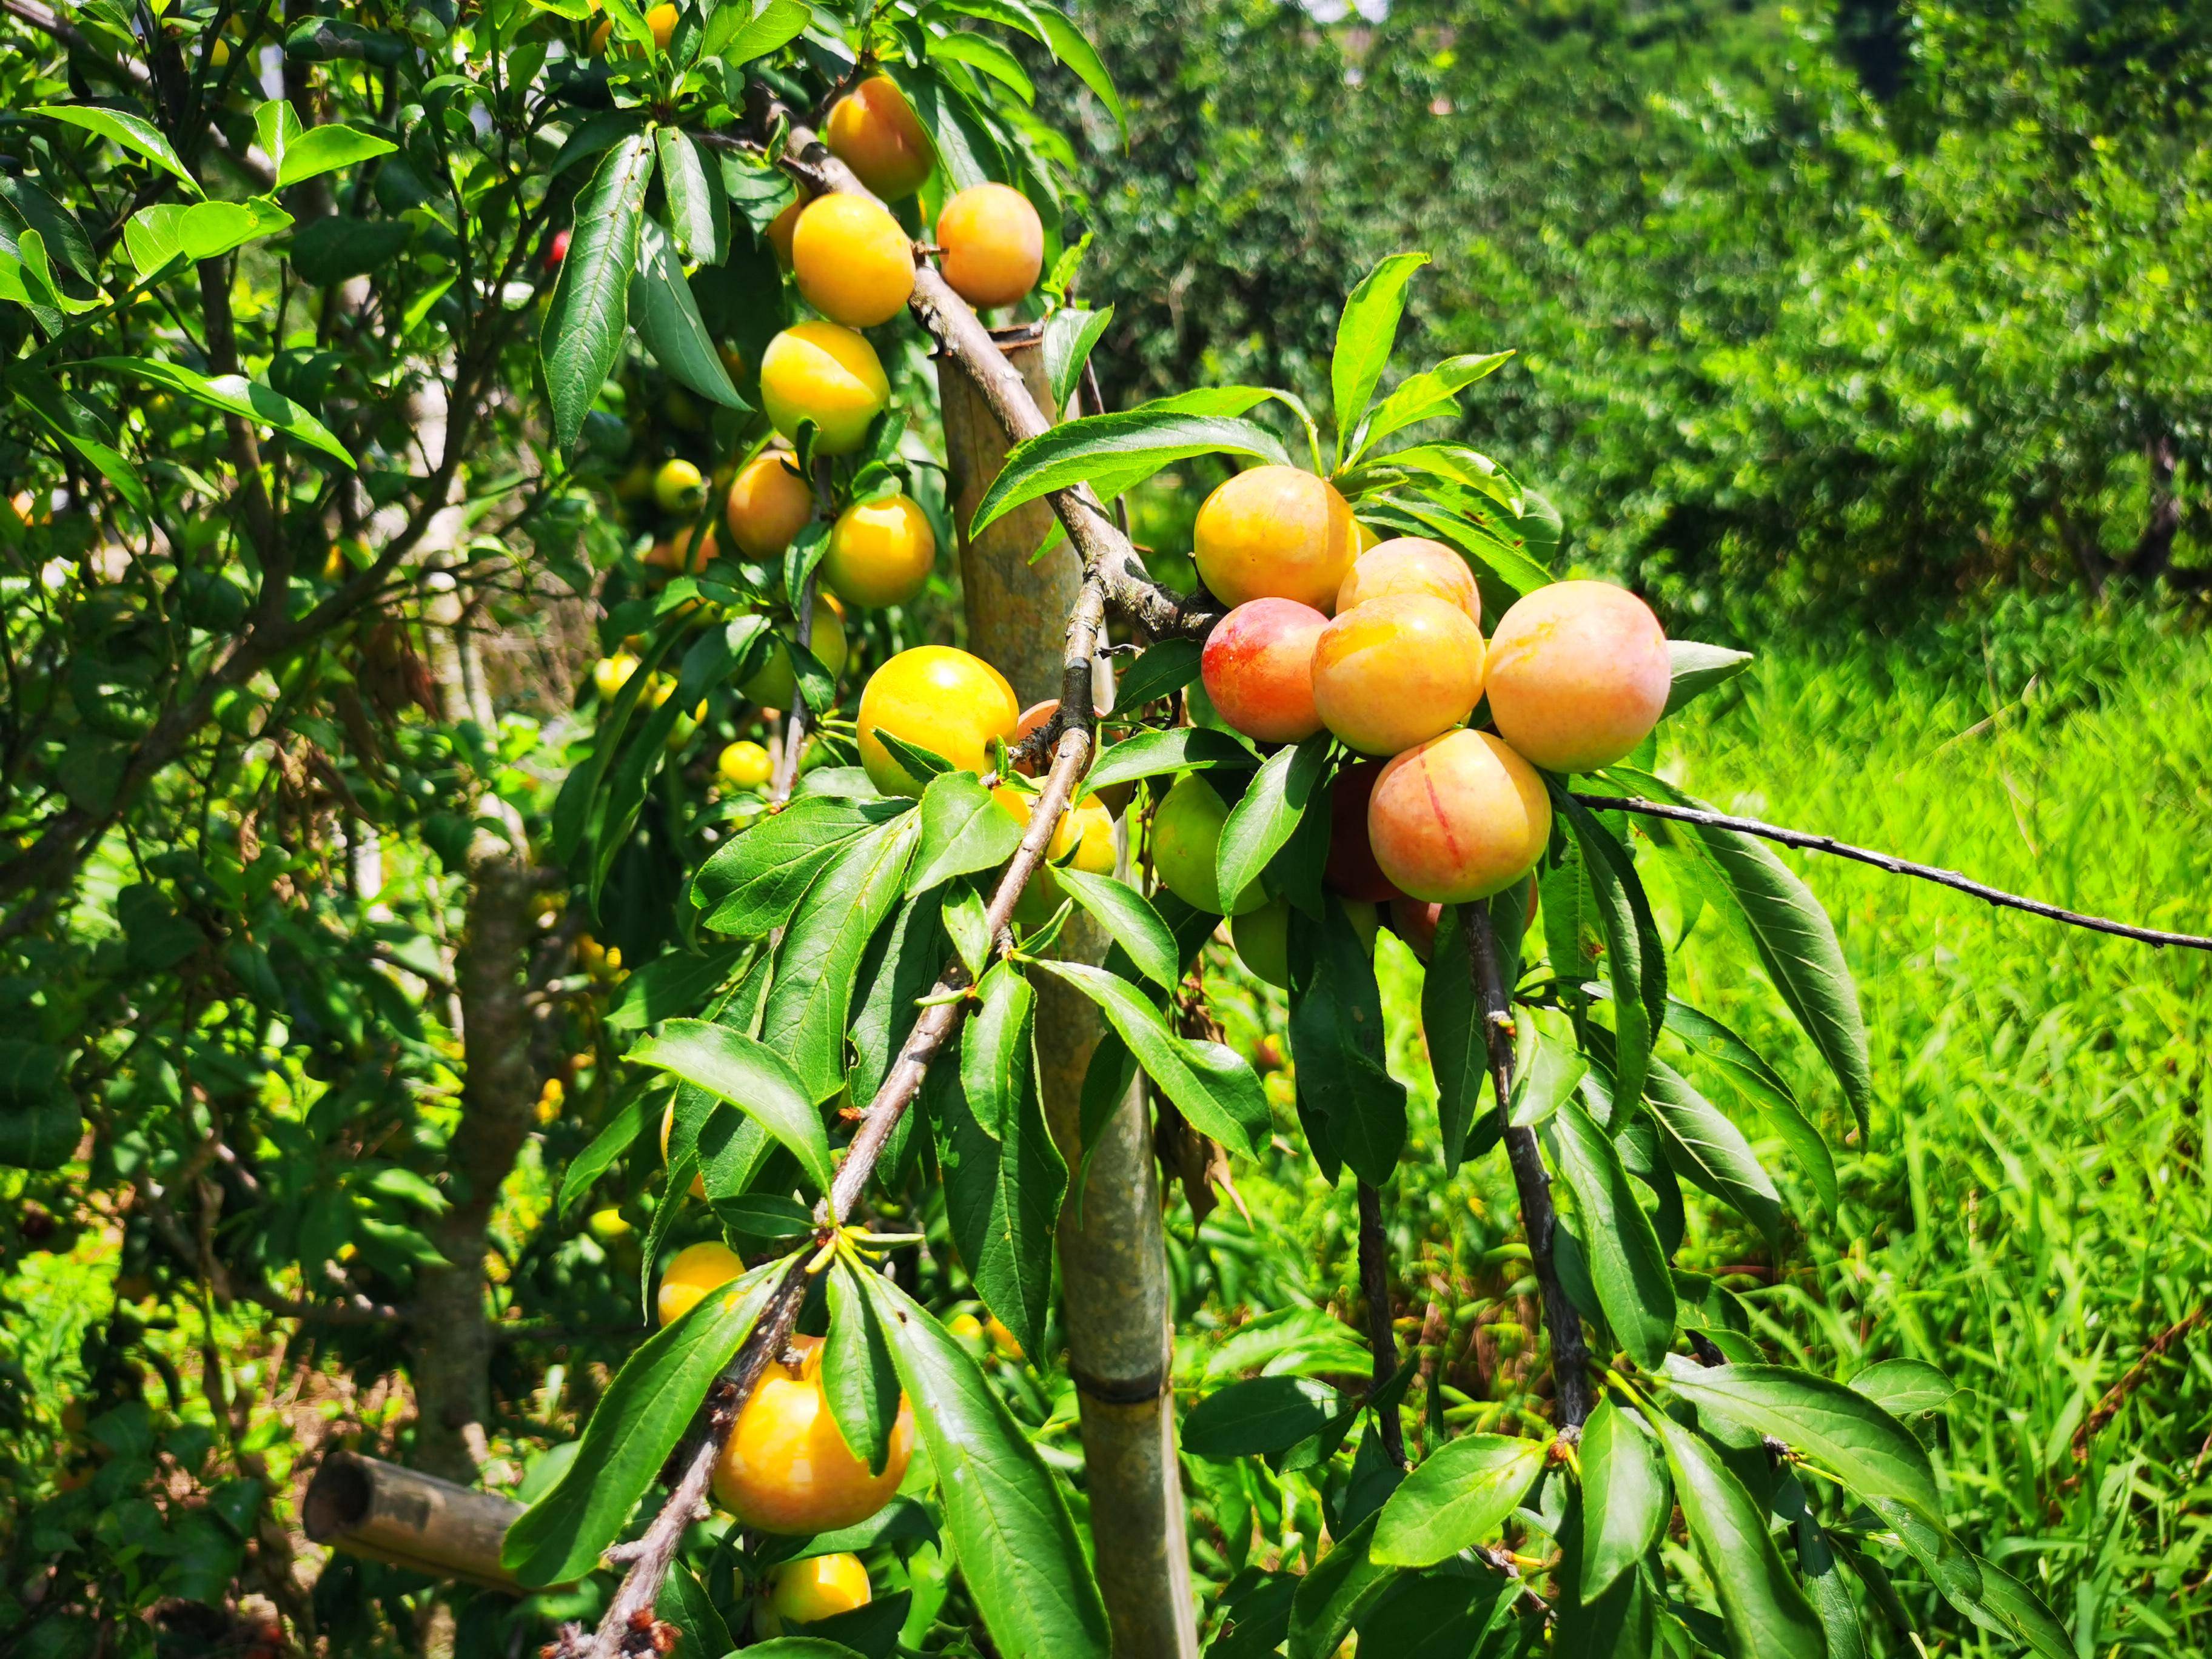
<point x="2030" y="1210"/>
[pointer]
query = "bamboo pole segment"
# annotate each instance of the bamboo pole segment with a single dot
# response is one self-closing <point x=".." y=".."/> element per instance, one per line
<point x="382" y="1512"/>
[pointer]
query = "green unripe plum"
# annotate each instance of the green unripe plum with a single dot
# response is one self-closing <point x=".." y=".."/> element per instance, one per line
<point x="1262" y="938"/>
<point x="1186" y="840"/>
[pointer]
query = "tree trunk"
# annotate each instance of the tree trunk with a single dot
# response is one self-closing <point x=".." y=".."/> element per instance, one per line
<point x="2153" y="548"/>
<point x="1115" y="1301"/>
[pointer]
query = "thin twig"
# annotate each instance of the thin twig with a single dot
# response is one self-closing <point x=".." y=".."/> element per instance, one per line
<point x="1811" y="842"/>
<point x="1375" y="1287"/>
<point x="1569" y="1356"/>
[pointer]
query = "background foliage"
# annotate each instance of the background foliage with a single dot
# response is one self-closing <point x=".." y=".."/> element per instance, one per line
<point x="1895" y="309"/>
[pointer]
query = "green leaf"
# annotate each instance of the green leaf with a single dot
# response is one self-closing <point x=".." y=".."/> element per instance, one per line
<point x="1905" y="1388"/>
<point x="1113" y="452"/>
<point x="1954" y="1569"/>
<point x="234" y="395"/>
<point x="968" y="152"/>
<point x="1710" y="1152"/>
<point x="1795" y="941"/>
<point x="1337" y="1044"/>
<point x="1005" y="1517"/>
<point x="333" y="250"/>
<point x="1765" y="1613"/>
<point x="1452" y="1022"/>
<point x="1425" y="396"/>
<point x="858" y="1374"/>
<point x="642" y="1415"/>
<point x="1260" y="824"/>
<point x="2010" y="1609"/>
<point x="1546" y="1075"/>
<point x="1069" y="45"/>
<point x="168" y="231"/>
<point x="1627" y="1264"/>
<point x="737" y="33"/>
<point x="1635" y="959"/>
<point x="668" y="321"/>
<point x="799" y="1647"/>
<point x="1069" y="335"/>
<point x="1876" y="1455"/>
<point x="1160" y="754"/>
<point x="1364" y="335"/>
<point x="1763" y="1088"/>
<point x="684" y="1603"/>
<point x="810" y="1005"/>
<point x="698" y="207"/>
<point x="1625" y="1497"/>
<point x="1210" y="1084"/>
<point x="753" y="882"/>
<point x="980" y="52"/>
<point x="25" y="207"/>
<point x="589" y="312"/>
<point x="1004" y="1178"/>
<point x="1159" y="671"/>
<point x="304" y="153"/>
<point x="133" y="133"/>
<point x="752" y="1077"/>
<point x="1458" y="1496"/>
<point x="39" y="1123"/>
<point x="674" y="982"/>
<point x="901" y="966"/>
<point x="1253" y="1418"/>
<point x="963" y="830"/>
<point x="1129" y="919"/>
<point x="1823" y="1580"/>
<point x="1698" y="668"/>
<point x="1344" y="1585"/>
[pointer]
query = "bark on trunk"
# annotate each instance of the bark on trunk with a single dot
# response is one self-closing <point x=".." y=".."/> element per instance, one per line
<point x="1115" y="1300"/>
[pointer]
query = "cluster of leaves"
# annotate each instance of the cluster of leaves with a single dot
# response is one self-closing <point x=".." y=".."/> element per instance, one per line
<point x="1793" y="330"/>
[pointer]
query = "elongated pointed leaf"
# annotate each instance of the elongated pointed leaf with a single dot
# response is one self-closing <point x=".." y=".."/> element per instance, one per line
<point x="810" y="1006"/>
<point x="1159" y="671"/>
<point x="234" y="394"/>
<point x="1343" y="1586"/>
<point x="1795" y="941"/>
<point x="1627" y="1267"/>
<point x="1129" y="919"/>
<point x="1069" y="335"/>
<point x="1160" y="754"/>
<point x="1876" y="1455"/>
<point x="1710" y="1152"/>
<point x="1366" y="333"/>
<point x="1459" y="1495"/>
<point x="684" y="1603"/>
<point x="963" y="830"/>
<point x="1763" y="1088"/>
<point x="1452" y="1021"/>
<point x="1626" y="1498"/>
<point x="2010" y="1609"/>
<point x="1069" y="45"/>
<point x="755" y="881"/>
<point x="1765" y="1613"/>
<point x="1825" y="1588"/>
<point x="303" y="153"/>
<point x="589" y="312"/>
<point x="610" y="1144"/>
<point x="1008" y="1521"/>
<point x="1004" y="1178"/>
<point x="1264" y="1414"/>
<point x="133" y="133"/>
<point x="1432" y="393"/>
<point x="200" y="230"/>
<point x="1260" y="825"/>
<point x="740" y="33"/>
<point x="640" y="1418"/>
<point x="1635" y="960"/>
<point x="1698" y="668"/>
<point x="752" y="1077"/>
<point x="698" y="208"/>
<point x="1113" y="452"/>
<point x="1905" y="1388"/>
<point x="1210" y="1084"/>
<point x="1336" y="1045"/>
<point x="858" y="1375"/>
<point x="668" y="321"/>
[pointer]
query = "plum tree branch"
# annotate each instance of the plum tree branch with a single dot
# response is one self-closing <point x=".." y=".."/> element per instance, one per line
<point x="1374" y="1289"/>
<point x="1810" y="842"/>
<point x="1539" y="1219"/>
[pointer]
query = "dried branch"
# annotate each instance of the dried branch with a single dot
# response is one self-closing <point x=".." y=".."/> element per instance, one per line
<point x="1811" y="842"/>
<point x="1570" y="1355"/>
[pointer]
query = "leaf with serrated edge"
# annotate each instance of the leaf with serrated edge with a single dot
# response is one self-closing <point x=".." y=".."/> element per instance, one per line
<point x="1129" y="919"/>
<point x="585" y="320"/>
<point x="963" y="830"/>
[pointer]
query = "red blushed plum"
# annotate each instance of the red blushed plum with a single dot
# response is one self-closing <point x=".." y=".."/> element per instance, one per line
<point x="1459" y="818"/>
<point x="1258" y="669"/>
<point x="1351" y="869"/>
<point x="1579" y="675"/>
<point x="1397" y="671"/>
